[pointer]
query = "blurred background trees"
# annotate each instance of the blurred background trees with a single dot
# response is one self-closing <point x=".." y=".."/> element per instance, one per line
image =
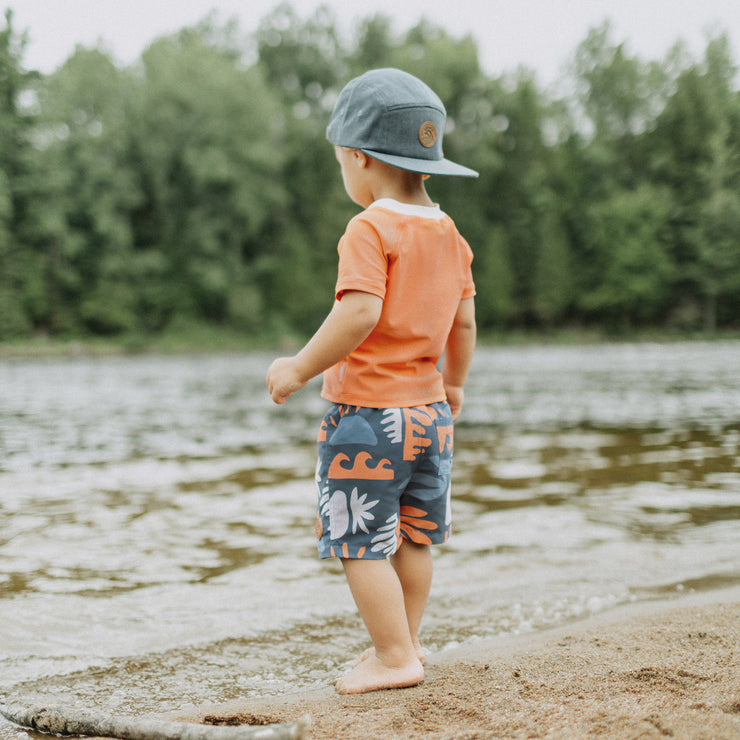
<point x="196" y="186"/>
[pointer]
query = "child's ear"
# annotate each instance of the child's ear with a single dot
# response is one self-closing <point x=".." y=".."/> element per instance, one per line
<point x="360" y="158"/>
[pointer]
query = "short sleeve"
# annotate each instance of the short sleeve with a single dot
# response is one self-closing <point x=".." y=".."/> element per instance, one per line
<point x="363" y="264"/>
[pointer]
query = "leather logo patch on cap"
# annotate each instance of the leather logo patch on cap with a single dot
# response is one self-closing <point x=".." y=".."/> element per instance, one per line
<point x="427" y="134"/>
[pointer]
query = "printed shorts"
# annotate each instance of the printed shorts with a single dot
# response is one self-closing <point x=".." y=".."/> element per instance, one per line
<point x="383" y="475"/>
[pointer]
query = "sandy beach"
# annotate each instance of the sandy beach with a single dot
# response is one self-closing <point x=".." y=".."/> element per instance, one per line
<point x="647" y="670"/>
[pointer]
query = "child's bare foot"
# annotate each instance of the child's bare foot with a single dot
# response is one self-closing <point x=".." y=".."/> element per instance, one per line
<point x="373" y="675"/>
<point x="371" y="652"/>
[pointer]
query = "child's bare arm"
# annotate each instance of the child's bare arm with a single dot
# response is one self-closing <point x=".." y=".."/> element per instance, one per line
<point x="348" y="324"/>
<point x="458" y="354"/>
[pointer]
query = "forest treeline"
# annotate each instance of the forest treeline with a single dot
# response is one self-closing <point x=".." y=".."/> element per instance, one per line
<point x="196" y="185"/>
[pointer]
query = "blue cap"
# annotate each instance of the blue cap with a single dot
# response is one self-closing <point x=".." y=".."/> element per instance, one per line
<point x="395" y="118"/>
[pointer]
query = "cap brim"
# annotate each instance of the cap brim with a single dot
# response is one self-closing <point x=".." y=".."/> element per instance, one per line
<point x="422" y="166"/>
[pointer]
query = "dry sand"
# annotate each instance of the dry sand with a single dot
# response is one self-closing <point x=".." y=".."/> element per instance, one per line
<point x="656" y="670"/>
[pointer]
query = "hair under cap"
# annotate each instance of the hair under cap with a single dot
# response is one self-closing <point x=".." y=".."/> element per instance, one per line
<point x="395" y="118"/>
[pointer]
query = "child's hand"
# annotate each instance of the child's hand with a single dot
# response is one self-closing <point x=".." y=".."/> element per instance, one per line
<point x="283" y="379"/>
<point x="455" y="397"/>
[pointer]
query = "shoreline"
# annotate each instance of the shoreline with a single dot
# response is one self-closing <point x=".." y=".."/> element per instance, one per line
<point x="668" y="668"/>
<point x="212" y="340"/>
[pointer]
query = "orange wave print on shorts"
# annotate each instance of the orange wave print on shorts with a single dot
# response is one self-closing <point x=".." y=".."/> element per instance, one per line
<point x="412" y="520"/>
<point x="359" y="469"/>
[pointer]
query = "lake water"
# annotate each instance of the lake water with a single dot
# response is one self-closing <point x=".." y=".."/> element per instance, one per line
<point x="156" y="515"/>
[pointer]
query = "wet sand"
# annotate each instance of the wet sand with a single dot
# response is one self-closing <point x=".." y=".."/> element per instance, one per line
<point x="647" y="670"/>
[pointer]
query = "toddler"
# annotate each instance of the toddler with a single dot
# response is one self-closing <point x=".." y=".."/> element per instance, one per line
<point x="404" y="299"/>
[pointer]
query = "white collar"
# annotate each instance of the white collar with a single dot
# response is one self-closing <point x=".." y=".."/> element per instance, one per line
<point x="408" y="209"/>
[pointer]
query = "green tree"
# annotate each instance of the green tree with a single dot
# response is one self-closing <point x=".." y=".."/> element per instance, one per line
<point x="553" y="271"/>
<point x="494" y="302"/>
<point x="206" y="139"/>
<point x="83" y="229"/>
<point x="514" y="193"/>
<point x="697" y="155"/>
<point x="20" y="271"/>
<point x="632" y="268"/>
<point x="198" y="184"/>
<point x="619" y="95"/>
<point x="718" y="244"/>
<point x="303" y="59"/>
<point x="374" y="45"/>
<point x="306" y="62"/>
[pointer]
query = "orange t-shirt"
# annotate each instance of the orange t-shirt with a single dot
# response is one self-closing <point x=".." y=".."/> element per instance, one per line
<point x="414" y="258"/>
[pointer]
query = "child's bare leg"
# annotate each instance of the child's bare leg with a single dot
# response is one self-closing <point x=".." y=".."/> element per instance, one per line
<point x="413" y="566"/>
<point x="378" y="594"/>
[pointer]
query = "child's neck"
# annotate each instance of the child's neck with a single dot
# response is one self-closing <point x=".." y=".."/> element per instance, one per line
<point x="413" y="196"/>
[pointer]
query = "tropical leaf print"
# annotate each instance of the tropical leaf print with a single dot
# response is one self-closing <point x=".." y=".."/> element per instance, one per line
<point x="361" y="510"/>
<point x="413" y="521"/>
<point x="338" y="514"/>
<point x="393" y="425"/>
<point x="386" y="541"/>
<point x="445" y="437"/>
<point x="418" y="420"/>
<point x="324" y="500"/>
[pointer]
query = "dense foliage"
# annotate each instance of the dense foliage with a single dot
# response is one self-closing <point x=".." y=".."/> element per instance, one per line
<point x="197" y="186"/>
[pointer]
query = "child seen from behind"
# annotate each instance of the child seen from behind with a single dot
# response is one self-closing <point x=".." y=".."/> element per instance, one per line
<point x="404" y="299"/>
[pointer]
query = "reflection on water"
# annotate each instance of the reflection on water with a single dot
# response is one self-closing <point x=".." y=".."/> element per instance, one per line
<point x="628" y="479"/>
<point x="157" y="513"/>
